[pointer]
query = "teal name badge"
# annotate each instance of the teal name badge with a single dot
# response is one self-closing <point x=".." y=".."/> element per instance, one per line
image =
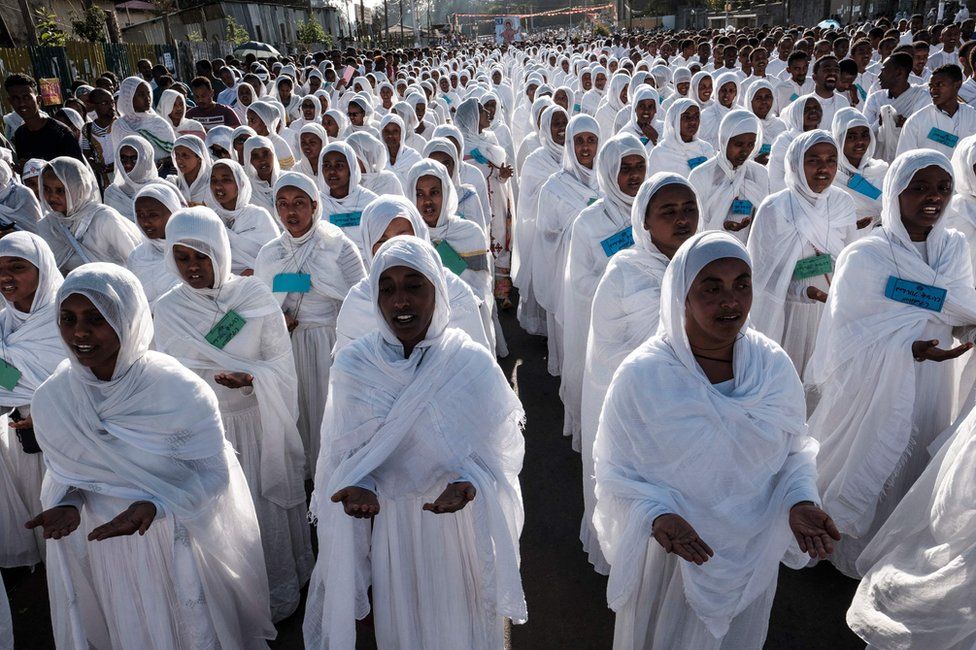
<point x="694" y="162"/>
<point x="227" y="328"/>
<point x="742" y="206"/>
<point x="815" y="265"/>
<point x="450" y="258"/>
<point x="9" y="376"/>
<point x="943" y="137"/>
<point x="861" y="91"/>
<point x="577" y="108"/>
<point x="917" y="294"/>
<point x="292" y="283"/>
<point x="765" y="149"/>
<point x="618" y="241"/>
<point x="447" y="99"/>
<point x="479" y="157"/>
<point x="793" y="96"/>
<point x="345" y="219"/>
<point x="863" y="186"/>
<point x="592" y="201"/>
<point x="644" y="139"/>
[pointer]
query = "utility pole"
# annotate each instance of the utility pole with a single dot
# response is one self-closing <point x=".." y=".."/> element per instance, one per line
<point x="386" y="21"/>
<point x="401" y="23"/>
<point x="362" y="21"/>
<point x="29" y="22"/>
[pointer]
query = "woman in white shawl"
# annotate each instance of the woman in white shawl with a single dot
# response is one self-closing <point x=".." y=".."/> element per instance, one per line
<point x="680" y="150"/>
<point x="137" y="117"/>
<point x="759" y="100"/>
<point x="799" y="117"/>
<point x="172" y="106"/>
<point x="885" y="398"/>
<point x="311" y="140"/>
<point x="287" y="97"/>
<point x="612" y="103"/>
<point x="469" y="203"/>
<point x="560" y="200"/>
<point x="470" y="174"/>
<point x="154" y="204"/>
<point x="421" y="436"/>
<point x="29" y="281"/>
<point x="133" y="441"/>
<point x="408" y="116"/>
<point x="590" y="101"/>
<point x="192" y="161"/>
<point x="688" y="570"/>
<point x="540" y="165"/>
<point x="794" y="243"/>
<point x="598" y="233"/>
<point x="859" y="173"/>
<point x="401" y="157"/>
<point x="531" y="142"/>
<point x="231" y="332"/>
<point x="731" y="184"/>
<point x="249" y="226"/>
<point x="134" y="169"/>
<point x="238" y="137"/>
<point x="220" y="142"/>
<point x="343" y="196"/>
<point x="918" y="580"/>
<point x="262" y="169"/>
<point x="19" y="207"/>
<point x="642" y="121"/>
<point x="373" y="163"/>
<point x="961" y="213"/>
<point x="310" y="268"/>
<point x="360" y="113"/>
<point x="727" y="93"/>
<point x="264" y="119"/>
<point x="336" y="123"/>
<point x="310" y="113"/>
<point x="383" y="219"/>
<point x="246" y="95"/>
<point x="77" y="226"/>
<point x="625" y="311"/>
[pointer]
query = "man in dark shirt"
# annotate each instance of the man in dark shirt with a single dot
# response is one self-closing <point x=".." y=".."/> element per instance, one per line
<point x="39" y="136"/>
<point x="207" y="112"/>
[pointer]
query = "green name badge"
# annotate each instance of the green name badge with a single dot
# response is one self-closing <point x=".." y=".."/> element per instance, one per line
<point x="292" y="283"/>
<point x="814" y="265"/>
<point x="345" y="219"/>
<point x="793" y="97"/>
<point x="450" y="258"/>
<point x="592" y="201"/>
<point x="697" y="160"/>
<point x="9" y="376"/>
<point x="227" y="328"/>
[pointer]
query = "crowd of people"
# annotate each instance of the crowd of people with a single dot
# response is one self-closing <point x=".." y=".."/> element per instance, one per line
<point x="254" y="318"/>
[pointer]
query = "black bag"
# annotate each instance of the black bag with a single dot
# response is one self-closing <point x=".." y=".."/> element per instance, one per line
<point x="26" y="436"/>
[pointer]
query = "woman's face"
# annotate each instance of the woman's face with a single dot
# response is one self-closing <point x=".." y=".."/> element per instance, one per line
<point x="256" y="123"/>
<point x="856" y="144"/>
<point x="223" y="185"/>
<point x="726" y="94"/>
<point x="195" y="268"/>
<point x="924" y="200"/>
<point x="561" y="99"/>
<point x="391" y="138"/>
<point x="331" y="126"/>
<point x="429" y="198"/>
<point x="386" y="94"/>
<point x="406" y="300"/>
<point x="54" y="192"/>
<point x="718" y="303"/>
<point x="142" y="99"/>
<point x="314" y="83"/>
<point x="179" y="108"/>
<point x="284" y="91"/>
<point x="356" y="114"/>
<point x="335" y="171"/>
<point x="812" y="114"/>
<point x="690" y="120"/>
<point x="262" y="159"/>
<point x="239" y="146"/>
<point x="245" y="95"/>
<point x="682" y="87"/>
<point x="762" y="103"/>
<point x="397" y="226"/>
<point x="308" y="108"/>
<point x="671" y="217"/>
<point x="585" y="146"/>
<point x="311" y="146"/>
<point x="88" y="335"/>
<point x="151" y="215"/>
<point x="443" y="159"/>
<point x="128" y="157"/>
<point x="420" y="110"/>
<point x="295" y="210"/>
<point x="633" y="169"/>
<point x="739" y="148"/>
<point x="186" y="161"/>
<point x="705" y="89"/>
<point x="18" y="282"/>
<point x="820" y="166"/>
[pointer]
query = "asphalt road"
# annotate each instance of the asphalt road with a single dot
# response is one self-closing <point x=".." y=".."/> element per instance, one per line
<point x="566" y="598"/>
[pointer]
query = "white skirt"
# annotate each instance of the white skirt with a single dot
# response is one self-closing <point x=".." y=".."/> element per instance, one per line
<point x="21" y="475"/>
<point x="531" y="316"/>
<point x="312" y="347"/>
<point x="6" y="624"/>
<point x="285" y="534"/>
<point x="658" y="617"/>
<point x="800" y="324"/>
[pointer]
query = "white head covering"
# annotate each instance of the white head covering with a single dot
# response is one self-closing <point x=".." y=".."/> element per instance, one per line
<point x="608" y="166"/>
<point x="144" y="171"/>
<point x="263" y="190"/>
<point x="221" y="136"/>
<point x="449" y="200"/>
<point x="18" y="204"/>
<point x="243" y="191"/>
<point x="446" y="147"/>
<point x="355" y="174"/>
<point x="340" y="119"/>
<point x="638" y="211"/>
<point x="196" y="191"/>
<point x="570" y="164"/>
<point x="33" y="168"/>
<point x="900" y="174"/>
<point x="149" y="124"/>
<point x="316" y="129"/>
<point x="377" y="217"/>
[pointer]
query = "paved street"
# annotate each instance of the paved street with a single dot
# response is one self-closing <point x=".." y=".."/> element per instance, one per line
<point x="567" y="607"/>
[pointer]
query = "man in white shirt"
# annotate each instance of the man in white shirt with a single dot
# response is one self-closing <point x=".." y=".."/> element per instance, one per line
<point x="942" y="124"/>
<point x="896" y="91"/>
<point x="861" y="55"/>
<point x="797" y="84"/>
<point x="826" y="71"/>
<point x="783" y="50"/>
<point x="758" y="59"/>
<point x="949" y="53"/>
<point x="920" y="68"/>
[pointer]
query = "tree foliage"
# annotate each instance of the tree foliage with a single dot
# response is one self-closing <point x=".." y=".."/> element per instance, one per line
<point x="89" y="25"/>
<point x="48" y="30"/>
<point x="236" y="34"/>
<point x="310" y="31"/>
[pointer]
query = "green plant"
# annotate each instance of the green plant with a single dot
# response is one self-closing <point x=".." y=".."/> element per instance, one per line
<point x="194" y="37"/>
<point x="310" y="31"/>
<point x="48" y="30"/>
<point x="89" y="25"/>
<point x="236" y="34"/>
<point x="599" y="29"/>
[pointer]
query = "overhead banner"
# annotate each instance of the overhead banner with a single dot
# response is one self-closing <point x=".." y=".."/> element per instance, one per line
<point x="508" y="30"/>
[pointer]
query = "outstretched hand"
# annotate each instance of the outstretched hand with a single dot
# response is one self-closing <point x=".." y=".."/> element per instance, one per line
<point x="675" y="535"/>
<point x="234" y="379"/>
<point x="929" y="351"/>
<point x="813" y="293"/>
<point x="136" y="518"/>
<point x="736" y="226"/>
<point x="454" y="497"/>
<point x="58" y="522"/>
<point x="358" y="502"/>
<point x="814" y="530"/>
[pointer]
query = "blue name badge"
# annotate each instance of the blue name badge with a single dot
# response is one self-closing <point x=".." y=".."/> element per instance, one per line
<point x="863" y="186"/>
<point x="479" y="157"/>
<point x="943" y="137"/>
<point x="742" y="206"/>
<point x="618" y="241"/>
<point x="861" y="91"/>
<point x="924" y="296"/>
<point x="765" y="149"/>
<point x="345" y="219"/>
<point x="694" y="162"/>
<point x="793" y="96"/>
<point x="577" y="108"/>
<point x="292" y="283"/>
<point x="644" y="139"/>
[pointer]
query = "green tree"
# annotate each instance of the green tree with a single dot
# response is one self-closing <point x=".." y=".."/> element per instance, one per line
<point x="310" y="31"/>
<point x="194" y="37"/>
<point x="236" y="34"/>
<point x="89" y="25"/>
<point x="48" y="30"/>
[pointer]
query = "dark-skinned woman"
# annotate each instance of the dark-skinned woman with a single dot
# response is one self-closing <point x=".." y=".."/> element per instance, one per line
<point x="689" y="569"/>
<point x="249" y="226"/>
<point x="230" y="330"/>
<point x="798" y="117"/>
<point x="417" y="497"/>
<point x="859" y="173"/>
<point x="680" y="150"/>
<point x="154" y="204"/>
<point x="343" y="196"/>
<point x="899" y="297"/>
<point x="133" y="442"/>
